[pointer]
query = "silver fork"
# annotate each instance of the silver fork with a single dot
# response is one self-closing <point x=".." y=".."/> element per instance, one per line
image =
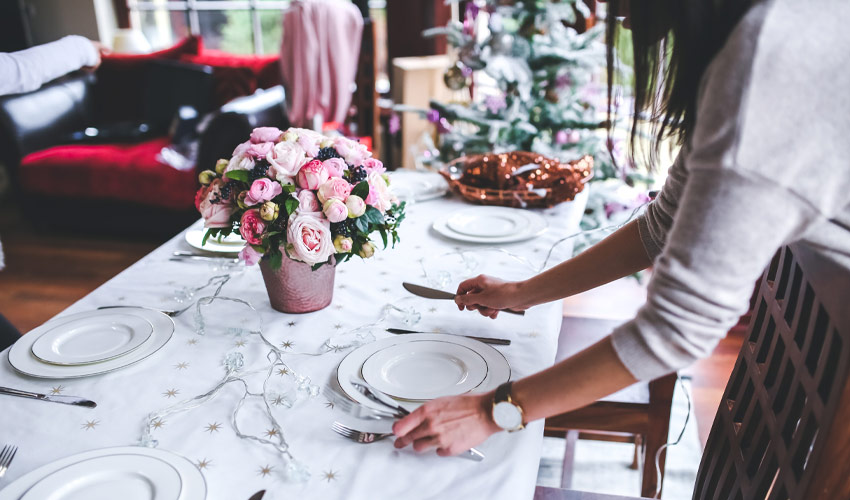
<point x="356" y="409"/>
<point x="359" y="436"/>
<point x="172" y="314"/>
<point x="6" y="457"/>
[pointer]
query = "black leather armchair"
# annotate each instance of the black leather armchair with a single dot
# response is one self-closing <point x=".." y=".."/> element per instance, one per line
<point x="48" y="117"/>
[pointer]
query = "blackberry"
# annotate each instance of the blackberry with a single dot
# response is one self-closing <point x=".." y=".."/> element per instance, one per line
<point x="261" y="168"/>
<point x="224" y="193"/>
<point x="356" y="174"/>
<point x="345" y="228"/>
<point x="327" y="153"/>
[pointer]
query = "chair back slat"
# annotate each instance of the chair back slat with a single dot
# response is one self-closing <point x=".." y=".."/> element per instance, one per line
<point x="782" y="430"/>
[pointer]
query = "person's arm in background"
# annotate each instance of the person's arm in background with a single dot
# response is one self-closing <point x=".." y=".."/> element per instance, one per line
<point x="27" y="70"/>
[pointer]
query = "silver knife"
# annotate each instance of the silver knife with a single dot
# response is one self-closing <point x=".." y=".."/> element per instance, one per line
<point x="486" y="340"/>
<point x="258" y="495"/>
<point x="68" y="400"/>
<point x="433" y="293"/>
<point x="181" y="255"/>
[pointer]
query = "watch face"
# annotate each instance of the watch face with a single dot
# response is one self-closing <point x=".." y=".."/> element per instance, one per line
<point x="507" y="416"/>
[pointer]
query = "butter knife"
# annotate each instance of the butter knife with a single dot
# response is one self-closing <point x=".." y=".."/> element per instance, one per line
<point x="68" y="400"/>
<point x="486" y="340"/>
<point x="433" y="293"/>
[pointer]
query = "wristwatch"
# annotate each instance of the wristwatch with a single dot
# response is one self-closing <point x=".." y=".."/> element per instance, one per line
<point x="506" y="412"/>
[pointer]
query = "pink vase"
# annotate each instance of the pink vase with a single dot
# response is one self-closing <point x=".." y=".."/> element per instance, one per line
<point x="296" y="288"/>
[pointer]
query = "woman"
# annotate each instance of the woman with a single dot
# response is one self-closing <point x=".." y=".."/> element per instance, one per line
<point x="756" y="92"/>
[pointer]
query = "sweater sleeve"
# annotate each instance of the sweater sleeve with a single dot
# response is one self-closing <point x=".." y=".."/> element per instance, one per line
<point x="656" y="221"/>
<point x="27" y="70"/>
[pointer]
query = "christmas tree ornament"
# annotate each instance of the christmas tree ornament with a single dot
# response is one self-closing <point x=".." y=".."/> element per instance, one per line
<point x="454" y="78"/>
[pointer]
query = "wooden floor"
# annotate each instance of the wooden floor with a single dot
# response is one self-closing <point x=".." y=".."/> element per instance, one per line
<point x="45" y="273"/>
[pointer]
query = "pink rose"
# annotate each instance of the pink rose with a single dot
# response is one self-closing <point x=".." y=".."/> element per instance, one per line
<point x="260" y="150"/>
<point x="308" y="139"/>
<point x="249" y="255"/>
<point x="356" y="206"/>
<point x="343" y="244"/>
<point x="251" y="227"/>
<point x="285" y="159"/>
<point x="309" y="238"/>
<point x="379" y="193"/>
<point x="373" y="165"/>
<point x="262" y="190"/>
<point x="312" y="175"/>
<point x="308" y="202"/>
<point x="336" y="166"/>
<point x="241" y="160"/>
<point x="241" y="149"/>
<point x="335" y="210"/>
<point x="215" y="210"/>
<point x="265" y="134"/>
<point x="335" y="187"/>
<point x="352" y="152"/>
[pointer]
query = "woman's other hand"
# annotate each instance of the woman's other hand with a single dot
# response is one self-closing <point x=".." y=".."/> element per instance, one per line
<point x="452" y="425"/>
<point x="489" y="295"/>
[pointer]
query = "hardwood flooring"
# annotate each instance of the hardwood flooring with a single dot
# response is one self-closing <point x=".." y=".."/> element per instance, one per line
<point x="47" y="272"/>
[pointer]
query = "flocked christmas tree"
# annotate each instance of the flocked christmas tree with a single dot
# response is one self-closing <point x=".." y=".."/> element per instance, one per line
<point x="537" y="84"/>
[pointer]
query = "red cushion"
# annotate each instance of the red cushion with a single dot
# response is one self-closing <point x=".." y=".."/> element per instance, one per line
<point x="123" y="172"/>
<point x="121" y="81"/>
<point x="237" y="75"/>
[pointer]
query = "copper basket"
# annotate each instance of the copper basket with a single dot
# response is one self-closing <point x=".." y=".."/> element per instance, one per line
<point x="518" y="179"/>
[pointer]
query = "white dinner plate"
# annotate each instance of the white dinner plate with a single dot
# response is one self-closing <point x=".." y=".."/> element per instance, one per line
<point x="489" y="222"/>
<point x="491" y="225"/>
<point x="498" y="369"/>
<point x="22" y="359"/>
<point x="193" y="487"/>
<point x="92" y="340"/>
<point x="425" y="369"/>
<point x="231" y="243"/>
<point x="130" y="477"/>
<point x="414" y="185"/>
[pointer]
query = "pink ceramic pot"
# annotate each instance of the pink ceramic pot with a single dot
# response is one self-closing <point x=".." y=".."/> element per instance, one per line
<point x="296" y="288"/>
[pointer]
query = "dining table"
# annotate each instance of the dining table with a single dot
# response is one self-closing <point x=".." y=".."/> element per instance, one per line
<point x="368" y="297"/>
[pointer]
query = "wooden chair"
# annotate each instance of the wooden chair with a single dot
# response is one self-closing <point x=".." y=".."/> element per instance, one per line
<point x="781" y="431"/>
<point x="639" y="414"/>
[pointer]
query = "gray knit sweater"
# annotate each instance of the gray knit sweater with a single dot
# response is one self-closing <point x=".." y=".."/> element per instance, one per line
<point x="767" y="165"/>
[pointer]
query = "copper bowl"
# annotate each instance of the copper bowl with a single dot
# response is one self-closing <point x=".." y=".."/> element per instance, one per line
<point x="518" y="179"/>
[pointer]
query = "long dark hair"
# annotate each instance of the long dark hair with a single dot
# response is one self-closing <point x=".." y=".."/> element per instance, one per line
<point x="673" y="41"/>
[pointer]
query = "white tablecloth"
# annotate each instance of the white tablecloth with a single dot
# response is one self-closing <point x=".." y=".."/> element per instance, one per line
<point x="190" y="365"/>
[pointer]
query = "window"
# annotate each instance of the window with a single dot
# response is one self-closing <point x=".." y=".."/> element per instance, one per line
<point x="235" y="26"/>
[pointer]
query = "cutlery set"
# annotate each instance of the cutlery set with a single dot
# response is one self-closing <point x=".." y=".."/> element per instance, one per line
<point x="68" y="400"/>
<point x="433" y="293"/>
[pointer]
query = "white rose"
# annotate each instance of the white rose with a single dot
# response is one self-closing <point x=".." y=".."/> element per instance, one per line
<point x="309" y="238"/>
<point x="285" y="160"/>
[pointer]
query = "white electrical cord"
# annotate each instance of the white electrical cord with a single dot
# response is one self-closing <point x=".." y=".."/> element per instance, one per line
<point x="678" y="439"/>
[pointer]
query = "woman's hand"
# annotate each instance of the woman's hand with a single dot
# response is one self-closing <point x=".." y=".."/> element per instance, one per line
<point x="452" y="425"/>
<point x="489" y="295"/>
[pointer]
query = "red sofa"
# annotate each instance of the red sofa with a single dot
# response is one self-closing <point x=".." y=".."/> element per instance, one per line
<point x="123" y="186"/>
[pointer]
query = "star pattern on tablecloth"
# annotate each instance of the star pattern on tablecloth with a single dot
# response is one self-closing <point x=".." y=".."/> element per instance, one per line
<point x="158" y="423"/>
<point x="90" y="424"/>
<point x="533" y="334"/>
<point x="291" y="323"/>
<point x="122" y="298"/>
<point x="57" y="390"/>
<point x="339" y="307"/>
<point x="204" y="464"/>
<point x="330" y="475"/>
<point x="213" y="427"/>
<point x="383" y="273"/>
<point x="239" y="343"/>
<point x="432" y="310"/>
<point x="265" y="471"/>
<point x="335" y="348"/>
<point x="342" y="286"/>
<point x="272" y="433"/>
<point x="329" y="404"/>
<point x="282" y="371"/>
<point x="171" y="393"/>
<point x="385" y="290"/>
<point x="192" y="341"/>
<point x="338" y="326"/>
<point x="182" y="365"/>
<point x="278" y="400"/>
<point x="437" y="330"/>
<point x="287" y="344"/>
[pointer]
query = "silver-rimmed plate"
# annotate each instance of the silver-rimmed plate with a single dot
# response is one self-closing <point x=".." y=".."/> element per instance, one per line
<point x="491" y="225"/>
<point x="92" y="339"/>
<point x="22" y="359"/>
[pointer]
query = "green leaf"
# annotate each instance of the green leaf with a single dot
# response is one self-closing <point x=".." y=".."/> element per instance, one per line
<point x="210" y="232"/>
<point x="288" y="188"/>
<point x="317" y="265"/>
<point x="238" y="175"/>
<point x="276" y="260"/>
<point x="383" y="236"/>
<point x="291" y="204"/>
<point x="362" y="224"/>
<point x="361" y="190"/>
<point x="374" y="215"/>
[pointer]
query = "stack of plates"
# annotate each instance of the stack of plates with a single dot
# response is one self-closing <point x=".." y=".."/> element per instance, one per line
<point x="415" y="368"/>
<point x="491" y="225"/>
<point x="91" y="342"/>
<point x="125" y="472"/>
<point x="229" y="244"/>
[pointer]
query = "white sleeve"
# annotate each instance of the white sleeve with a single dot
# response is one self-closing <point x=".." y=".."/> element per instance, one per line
<point x="29" y="69"/>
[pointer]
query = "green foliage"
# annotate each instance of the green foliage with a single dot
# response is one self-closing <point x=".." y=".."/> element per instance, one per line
<point x="237" y="32"/>
<point x="361" y="190"/>
<point x="238" y="175"/>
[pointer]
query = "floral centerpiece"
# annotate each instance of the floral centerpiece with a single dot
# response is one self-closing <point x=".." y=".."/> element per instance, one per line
<point x="297" y="196"/>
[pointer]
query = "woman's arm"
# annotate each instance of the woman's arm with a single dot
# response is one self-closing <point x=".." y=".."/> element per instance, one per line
<point x="29" y="69"/>
<point x="620" y="254"/>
